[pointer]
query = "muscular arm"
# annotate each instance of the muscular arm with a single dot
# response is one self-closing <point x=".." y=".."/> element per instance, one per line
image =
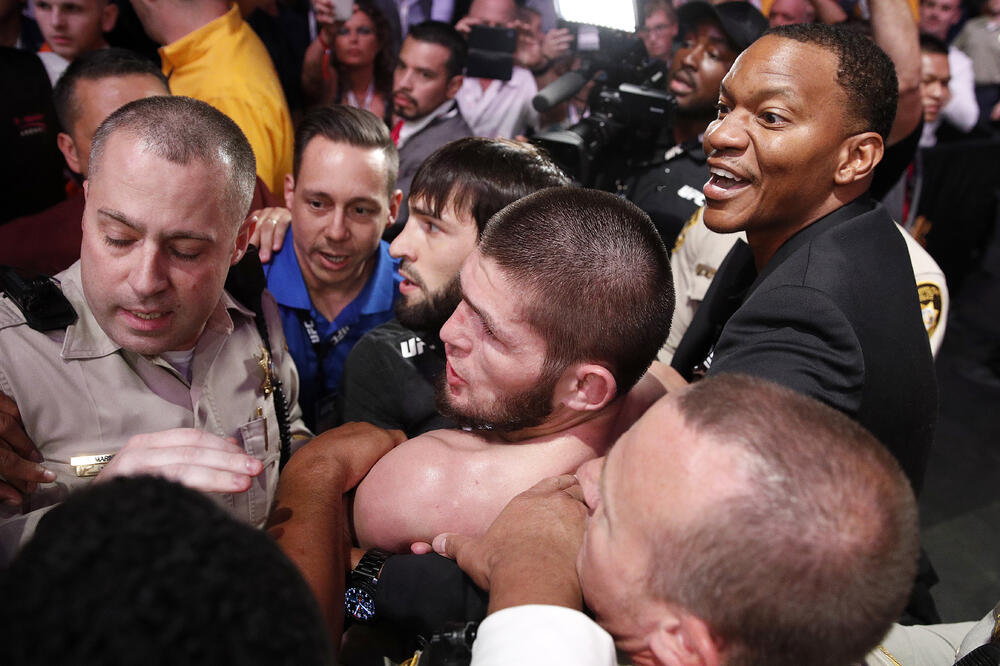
<point x="309" y="522"/>
<point x="452" y="481"/>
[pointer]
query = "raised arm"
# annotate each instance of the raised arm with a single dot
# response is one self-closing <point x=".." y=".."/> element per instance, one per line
<point x="894" y="29"/>
<point x="828" y="11"/>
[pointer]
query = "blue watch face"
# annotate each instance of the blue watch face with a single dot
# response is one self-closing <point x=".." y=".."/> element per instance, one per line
<point x="359" y="604"/>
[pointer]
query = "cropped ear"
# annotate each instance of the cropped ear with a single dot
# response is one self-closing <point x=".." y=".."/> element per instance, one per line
<point x="109" y="16"/>
<point x="587" y="387"/>
<point x="242" y="240"/>
<point x="68" y="148"/>
<point x="454" y="84"/>
<point x="394" y="201"/>
<point x="859" y="153"/>
<point x="684" y="640"/>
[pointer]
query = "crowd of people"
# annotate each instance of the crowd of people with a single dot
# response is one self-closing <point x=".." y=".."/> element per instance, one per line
<point x="444" y="402"/>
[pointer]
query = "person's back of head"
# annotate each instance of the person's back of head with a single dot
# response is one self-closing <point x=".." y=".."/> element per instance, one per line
<point x="594" y="273"/>
<point x="481" y="176"/>
<point x="813" y="560"/>
<point x="144" y="570"/>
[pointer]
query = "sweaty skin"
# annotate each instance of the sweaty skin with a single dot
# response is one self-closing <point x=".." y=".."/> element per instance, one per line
<point x="459" y="481"/>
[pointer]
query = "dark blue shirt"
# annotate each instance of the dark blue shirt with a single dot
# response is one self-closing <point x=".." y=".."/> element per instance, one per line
<point x="331" y="340"/>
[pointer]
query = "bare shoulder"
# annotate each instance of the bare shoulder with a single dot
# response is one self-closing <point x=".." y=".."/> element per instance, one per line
<point x="417" y="484"/>
<point x="453" y="481"/>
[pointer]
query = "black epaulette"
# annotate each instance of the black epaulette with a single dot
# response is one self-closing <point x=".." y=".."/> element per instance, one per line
<point x="40" y="300"/>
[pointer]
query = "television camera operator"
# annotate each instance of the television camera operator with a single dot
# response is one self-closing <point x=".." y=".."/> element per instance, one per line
<point x="643" y="135"/>
<point x="667" y="185"/>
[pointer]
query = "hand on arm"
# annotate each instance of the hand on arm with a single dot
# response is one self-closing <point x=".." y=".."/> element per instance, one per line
<point x="192" y="457"/>
<point x="19" y="458"/>
<point x="309" y="521"/>
<point x="528" y="555"/>
<point x="270" y="229"/>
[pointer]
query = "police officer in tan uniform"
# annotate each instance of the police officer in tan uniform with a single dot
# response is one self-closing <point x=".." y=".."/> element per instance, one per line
<point x="699" y="252"/>
<point x="161" y="372"/>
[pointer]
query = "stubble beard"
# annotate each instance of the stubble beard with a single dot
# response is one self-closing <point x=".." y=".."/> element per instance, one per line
<point x="431" y="313"/>
<point x="509" y="413"/>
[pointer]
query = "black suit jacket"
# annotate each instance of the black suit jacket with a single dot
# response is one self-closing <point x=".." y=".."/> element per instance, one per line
<point x="834" y="315"/>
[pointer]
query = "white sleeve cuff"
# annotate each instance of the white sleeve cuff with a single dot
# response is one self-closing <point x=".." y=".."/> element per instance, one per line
<point x="542" y="635"/>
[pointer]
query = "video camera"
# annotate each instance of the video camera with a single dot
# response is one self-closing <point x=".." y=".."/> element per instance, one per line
<point x="629" y="105"/>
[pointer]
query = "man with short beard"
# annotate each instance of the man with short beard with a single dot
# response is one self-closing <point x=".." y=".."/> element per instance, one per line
<point x="389" y="376"/>
<point x="560" y="302"/>
<point x="427" y="78"/>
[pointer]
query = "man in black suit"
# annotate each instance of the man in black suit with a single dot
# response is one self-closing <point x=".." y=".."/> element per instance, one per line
<point x="821" y="297"/>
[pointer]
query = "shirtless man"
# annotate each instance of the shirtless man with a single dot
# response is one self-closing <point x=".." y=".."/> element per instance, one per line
<point x="553" y="328"/>
<point x="564" y="304"/>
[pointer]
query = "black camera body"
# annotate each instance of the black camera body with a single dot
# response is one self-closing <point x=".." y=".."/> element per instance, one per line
<point x="630" y="108"/>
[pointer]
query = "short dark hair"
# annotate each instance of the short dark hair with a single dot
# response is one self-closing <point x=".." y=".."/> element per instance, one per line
<point x="181" y="130"/>
<point x="931" y="44"/>
<point x="151" y="572"/>
<point x="814" y="557"/>
<point x="443" y="34"/>
<point x="864" y="71"/>
<point x="93" y="66"/>
<point x="345" y="124"/>
<point x="594" y="275"/>
<point x="481" y="176"/>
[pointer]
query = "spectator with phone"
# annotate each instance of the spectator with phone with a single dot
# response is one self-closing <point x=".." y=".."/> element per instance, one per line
<point x="350" y="62"/>
<point x="495" y="103"/>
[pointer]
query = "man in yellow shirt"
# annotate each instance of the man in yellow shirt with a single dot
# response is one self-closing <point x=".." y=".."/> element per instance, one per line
<point x="210" y="53"/>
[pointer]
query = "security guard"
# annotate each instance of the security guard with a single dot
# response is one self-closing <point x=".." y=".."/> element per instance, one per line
<point x="699" y="252"/>
<point x="152" y="342"/>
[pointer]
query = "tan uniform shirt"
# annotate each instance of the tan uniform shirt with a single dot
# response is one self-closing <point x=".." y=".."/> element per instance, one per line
<point x="934" y="644"/>
<point x="80" y="394"/>
<point x="699" y="252"/>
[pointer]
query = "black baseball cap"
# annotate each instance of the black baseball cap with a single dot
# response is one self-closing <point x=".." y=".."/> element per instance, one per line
<point x="740" y="21"/>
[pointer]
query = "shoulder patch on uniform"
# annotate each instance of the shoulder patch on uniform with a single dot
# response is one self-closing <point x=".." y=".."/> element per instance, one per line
<point x="693" y="220"/>
<point x="10" y="314"/>
<point x="930" y="305"/>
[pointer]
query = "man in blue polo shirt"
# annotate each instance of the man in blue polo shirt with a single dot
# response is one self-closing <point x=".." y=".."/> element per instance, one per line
<point x="334" y="279"/>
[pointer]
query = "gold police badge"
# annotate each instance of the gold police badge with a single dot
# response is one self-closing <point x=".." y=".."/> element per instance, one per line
<point x="930" y="305"/>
